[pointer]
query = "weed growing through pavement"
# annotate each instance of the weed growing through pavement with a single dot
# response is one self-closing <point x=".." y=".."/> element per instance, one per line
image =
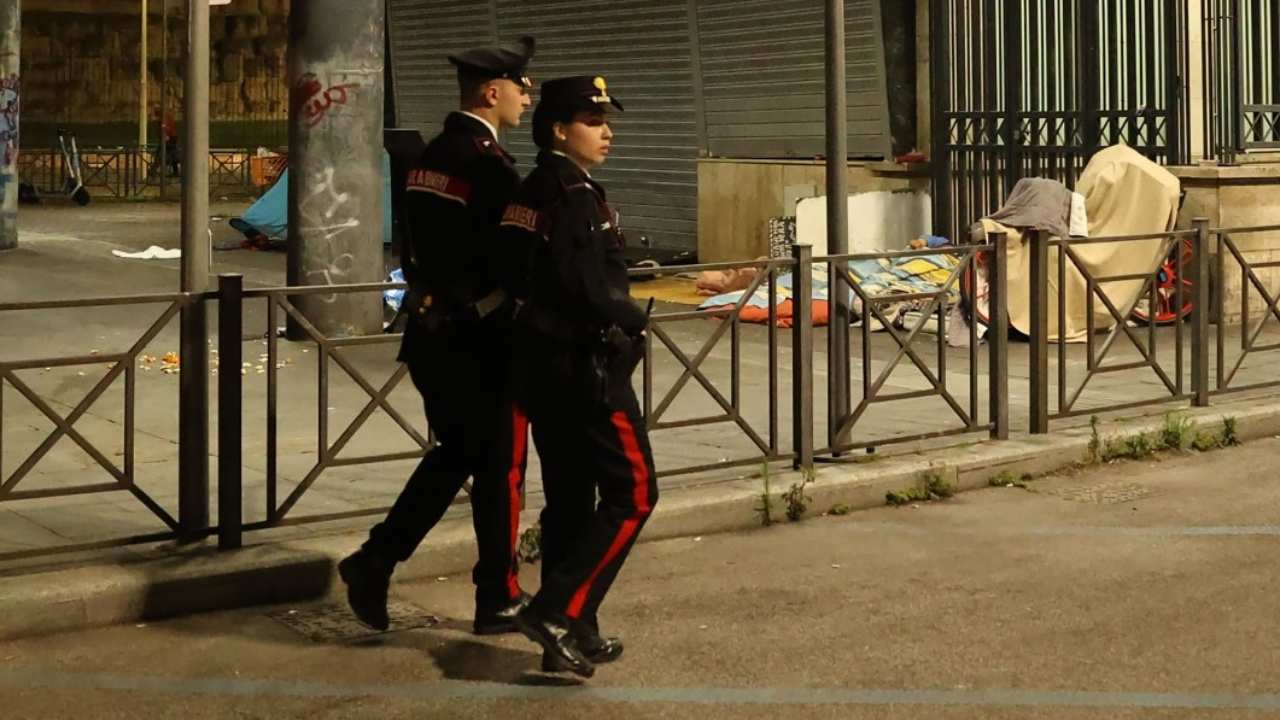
<point x="932" y="487"/>
<point x="1178" y="432"/>
<point x="797" y="501"/>
<point x="1008" y="478"/>
<point x="1095" y="442"/>
<point x="765" y="508"/>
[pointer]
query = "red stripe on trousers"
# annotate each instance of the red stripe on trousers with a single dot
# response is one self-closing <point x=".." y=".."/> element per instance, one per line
<point x="515" y="476"/>
<point x="640" y="492"/>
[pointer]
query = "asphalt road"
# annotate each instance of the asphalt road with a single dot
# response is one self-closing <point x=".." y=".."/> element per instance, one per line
<point x="1134" y="590"/>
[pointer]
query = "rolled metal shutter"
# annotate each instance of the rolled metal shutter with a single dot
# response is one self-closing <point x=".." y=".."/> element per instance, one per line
<point x="763" y="78"/>
<point x="643" y="48"/>
<point x="423" y="34"/>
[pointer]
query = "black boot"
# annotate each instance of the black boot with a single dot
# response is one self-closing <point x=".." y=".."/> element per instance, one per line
<point x="594" y="647"/>
<point x="499" y="620"/>
<point x="559" y="645"/>
<point x="367" y="577"/>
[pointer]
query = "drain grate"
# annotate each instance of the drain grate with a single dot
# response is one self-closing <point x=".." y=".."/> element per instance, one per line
<point x="1103" y="494"/>
<point x="334" y="623"/>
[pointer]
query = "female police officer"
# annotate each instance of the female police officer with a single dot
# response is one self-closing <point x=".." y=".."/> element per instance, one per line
<point x="583" y="338"/>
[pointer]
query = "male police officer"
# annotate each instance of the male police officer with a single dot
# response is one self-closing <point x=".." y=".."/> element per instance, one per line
<point x="582" y="339"/>
<point x="456" y="345"/>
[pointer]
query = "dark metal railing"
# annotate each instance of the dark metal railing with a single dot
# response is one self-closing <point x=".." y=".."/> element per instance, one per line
<point x="231" y="298"/>
<point x="841" y="425"/>
<point x="1068" y="266"/>
<point x="122" y="363"/>
<point x="1179" y="380"/>
<point x="1197" y="259"/>
<point x="128" y="172"/>
<point x="691" y="366"/>
<point x="1230" y="254"/>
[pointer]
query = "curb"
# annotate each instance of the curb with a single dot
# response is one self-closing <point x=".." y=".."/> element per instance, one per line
<point x="168" y="581"/>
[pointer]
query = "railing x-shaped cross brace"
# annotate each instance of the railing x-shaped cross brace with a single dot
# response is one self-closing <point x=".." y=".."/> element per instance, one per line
<point x="1147" y="351"/>
<point x="871" y="306"/>
<point x="692" y="366"/>
<point x="378" y="399"/>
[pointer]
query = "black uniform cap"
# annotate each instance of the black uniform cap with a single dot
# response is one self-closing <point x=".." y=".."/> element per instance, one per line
<point x="574" y="94"/>
<point x="562" y="98"/>
<point x="499" y="61"/>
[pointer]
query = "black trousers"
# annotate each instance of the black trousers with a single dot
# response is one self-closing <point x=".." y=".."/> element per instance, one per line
<point x="482" y="435"/>
<point x="587" y="451"/>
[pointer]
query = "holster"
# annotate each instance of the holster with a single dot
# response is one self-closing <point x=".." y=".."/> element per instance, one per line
<point x="613" y="360"/>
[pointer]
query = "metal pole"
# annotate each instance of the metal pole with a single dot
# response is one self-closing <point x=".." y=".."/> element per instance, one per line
<point x="142" y="83"/>
<point x="336" y="52"/>
<point x="802" y="356"/>
<point x="164" y="96"/>
<point x="1039" y="331"/>
<point x="998" y="336"/>
<point x="10" y="95"/>
<point x="230" y="327"/>
<point x="940" y="90"/>
<point x="1200" y="314"/>
<point x="193" y="403"/>
<point x="837" y="206"/>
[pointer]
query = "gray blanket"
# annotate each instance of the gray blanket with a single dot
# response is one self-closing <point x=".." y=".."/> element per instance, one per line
<point x="1035" y="203"/>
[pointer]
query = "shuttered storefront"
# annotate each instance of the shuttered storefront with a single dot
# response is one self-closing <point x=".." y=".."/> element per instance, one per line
<point x="764" y="78"/>
<point x="641" y="46"/>
<point x="759" y="64"/>
<point x="423" y="33"/>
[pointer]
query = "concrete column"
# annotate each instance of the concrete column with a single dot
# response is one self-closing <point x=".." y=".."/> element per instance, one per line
<point x="10" y="94"/>
<point x="336" y="51"/>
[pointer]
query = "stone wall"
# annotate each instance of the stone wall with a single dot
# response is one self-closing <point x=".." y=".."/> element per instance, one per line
<point x="80" y="66"/>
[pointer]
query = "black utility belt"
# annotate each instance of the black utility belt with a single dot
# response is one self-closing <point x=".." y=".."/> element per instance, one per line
<point x="426" y="307"/>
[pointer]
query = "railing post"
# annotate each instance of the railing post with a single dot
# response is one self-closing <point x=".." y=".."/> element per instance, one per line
<point x="1200" y="314"/>
<point x="802" y="355"/>
<point x="998" y="336"/>
<point x="230" y="327"/>
<point x="1039" y="375"/>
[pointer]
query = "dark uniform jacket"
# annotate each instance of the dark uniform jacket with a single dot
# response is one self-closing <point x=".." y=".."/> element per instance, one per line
<point x="455" y="196"/>
<point x="567" y="254"/>
<point x="566" y="266"/>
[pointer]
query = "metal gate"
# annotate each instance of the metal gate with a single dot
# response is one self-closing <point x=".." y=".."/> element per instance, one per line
<point x="1032" y="88"/>
<point x="1242" y="77"/>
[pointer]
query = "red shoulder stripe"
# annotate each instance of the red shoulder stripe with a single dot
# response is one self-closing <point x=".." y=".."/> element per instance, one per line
<point x="436" y="183"/>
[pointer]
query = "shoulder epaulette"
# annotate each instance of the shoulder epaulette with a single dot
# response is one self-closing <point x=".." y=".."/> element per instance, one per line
<point x="488" y="146"/>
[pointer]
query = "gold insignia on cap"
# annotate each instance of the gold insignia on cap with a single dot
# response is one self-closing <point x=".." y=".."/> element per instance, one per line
<point x="600" y="85"/>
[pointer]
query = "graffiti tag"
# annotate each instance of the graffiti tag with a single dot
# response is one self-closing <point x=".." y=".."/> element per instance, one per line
<point x="327" y="214"/>
<point x="9" y="101"/>
<point x="313" y="100"/>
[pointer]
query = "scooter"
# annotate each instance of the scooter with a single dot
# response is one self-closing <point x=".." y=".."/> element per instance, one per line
<point x="75" y="188"/>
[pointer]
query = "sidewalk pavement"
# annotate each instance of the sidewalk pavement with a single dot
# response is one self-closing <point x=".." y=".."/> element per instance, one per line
<point x="62" y="256"/>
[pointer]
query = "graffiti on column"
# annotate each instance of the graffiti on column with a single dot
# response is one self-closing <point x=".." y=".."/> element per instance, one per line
<point x="313" y="101"/>
<point x="328" y="215"/>
<point x="9" y="98"/>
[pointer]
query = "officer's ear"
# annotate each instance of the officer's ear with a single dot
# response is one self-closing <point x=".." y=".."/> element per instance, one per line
<point x="558" y="133"/>
<point x="491" y="92"/>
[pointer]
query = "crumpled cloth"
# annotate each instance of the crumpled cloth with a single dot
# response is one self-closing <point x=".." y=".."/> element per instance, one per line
<point x="155" y="252"/>
<point x="1036" y="203"/>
